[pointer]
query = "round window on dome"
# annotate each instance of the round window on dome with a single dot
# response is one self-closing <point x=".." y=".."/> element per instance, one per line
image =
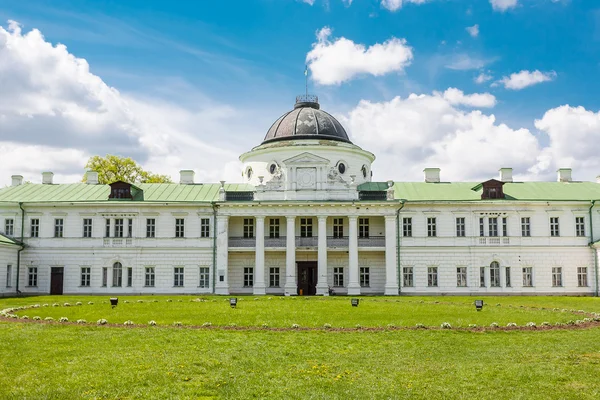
<point x="272" y="168"/>
<point x="249" y="173"/>
<point x="342" y="168"/>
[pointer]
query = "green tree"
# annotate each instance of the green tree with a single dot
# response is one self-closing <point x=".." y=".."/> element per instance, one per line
<point x="114" y="168"/>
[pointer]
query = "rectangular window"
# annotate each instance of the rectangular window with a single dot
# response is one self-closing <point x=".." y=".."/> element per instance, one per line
<point x="149" y="277"/>
<point x="150" y="227"/>
<point x="580" y="226"/>
<point x="493" y="226"/>
<point x="338" y="227"/>
<point x="274" y="277"/>
<point x="86" y="276"/>
<point x="461" y="276"/>
<point x="407" y="277"/>
<point x="432" y="276"/>
<point x="104" y="276"/>
<point x="554" y="231"/>
<point x="248" y="228"/>
<point x="460" y="227"/>
<point x="32" y="276"/>
<point x="507" y="275"/>
<point x="363" y="228"/>
<point x="87" y="228"/>
<point x="119" y="227"/>
<point x="495" y="274"/>
<point x="274" y="228"/>
<point x="8" y="275"/>
<point x="527" y="276"/>
<point x="365" y="280"/>
<point x="129" y="228"/>
<point x="178" y="276"/>
<point x="556" y="276"/>
<point x="117" y="275"/>
<point x="35" y="228"/>
<point x="179" y="227"/>
<point x="338" y="276"/>
<point x="306" y="227"/>
<point x="407" y="227"/>
<point x="504" y="226"/>
<point x="204" y="274"/>
<point x="248" y="276"/>
<point x="525" y="227"/>
<point x="107" y="228"/>
<point x="481" y="227"/>
<point x="482" y="276"/>
<point x="582" y="278"/>
<point x="9" y="226"/>
<point x="204" y="227"/>
<point x="129" y="277"/>
<point x="431" y="227"/>
<point x="58" y="227"/>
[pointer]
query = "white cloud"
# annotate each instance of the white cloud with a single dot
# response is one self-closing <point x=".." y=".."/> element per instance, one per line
<point x="473" y="30"/>
<point x="503" y="5"/>
<point x="457" y="97"/>
<point x="309" y="2"/>
<point x="523" y="79"/>
<point x="464" y="62"/>
<point x="333" y="62"/>
<point x="394" y="5"/>
<point x="482" y="78"/>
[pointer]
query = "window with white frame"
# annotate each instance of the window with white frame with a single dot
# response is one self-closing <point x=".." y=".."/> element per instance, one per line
<point x="8" y="275"/>
<point x="495" y="274"/>
<point x="363" y="228"/>
<point x="117" y="274"/>
<point x="481" y="226"/>
<point x="204" y="227"/>
<point x="86" y="276"/>
<point x="525" y="226"/>
<point x="482" y="276"/>
<point x="34" y="230"/>
<point x="556" y="276"/>
<point x="274" y="228"/>
<point x="527" y="276"/>
<point x="407" y="277"/>
<point x="407" y="227"/>
<point x="580" y="226"/>
<point x="150" y="227"/>
<point x="87" y="228"/>
<point x="9" y="226"/>
<point x="365" y="279"/>
<point x="104" y="276"/>
<point x="493" y="226"/>
<point x="179" y="227"/>
<point x="107" y="228"/>
<point x="178" y="276"/>
<point x="204" y="274"/>
<point x="118" y="227"/>
<point x="582" y="276"/>
<point x="58" y="227"/>
<point x="32" y="276"/>
<point x="129" y="277"/>
<point x="461" y="276"/>
<point x="507" y="276"/>
<point x="274" y="277"/>
<point x="460" y="226"/>
<point x="554" y="229"/>
<point x="149" y="277"/>
<point x="504" y="226"/>
<point x="248" y="276"/>
<point x="338" y="227"/>
<point x="306" y="227"/>
<point x="338" y="276"/>
<point x="431" y="227"/>
<point x="248" y="228"/>
<point x="432" y="276"/>
<point x="129" y="227"/>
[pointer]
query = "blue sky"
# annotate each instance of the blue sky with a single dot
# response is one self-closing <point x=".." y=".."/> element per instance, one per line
<point x="249" y="56"/>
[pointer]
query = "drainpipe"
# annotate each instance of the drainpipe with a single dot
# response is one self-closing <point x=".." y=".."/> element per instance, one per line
<point x="398" y="246"/>
<point x="214" y="261"/>
<point x="592" y="246"/>
<point x="20" y="248"/>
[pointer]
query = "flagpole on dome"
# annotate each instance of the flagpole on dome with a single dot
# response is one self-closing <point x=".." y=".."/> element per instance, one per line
<point x="306" y="78"/>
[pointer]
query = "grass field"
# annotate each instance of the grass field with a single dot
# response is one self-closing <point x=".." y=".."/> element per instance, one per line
<point x="69" y="361"/>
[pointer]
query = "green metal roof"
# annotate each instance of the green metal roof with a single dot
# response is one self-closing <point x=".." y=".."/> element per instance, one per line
<point x="82" y="192"/>
<point x="7" y="240"/>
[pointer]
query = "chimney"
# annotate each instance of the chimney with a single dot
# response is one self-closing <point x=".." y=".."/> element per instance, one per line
<point x="432" y="175"/>
<point x="47" y="178"/>
<point x="17" y="180"/>
<point x="91" y="177"/>
<point x="564" y="175"/>
<point x="186" y="176"/>
<point x="506" y="175"/>
<point x="222" y="191"/>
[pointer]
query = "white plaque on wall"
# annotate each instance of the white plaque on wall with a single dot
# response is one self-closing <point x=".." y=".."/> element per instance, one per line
<point x="306" y="178"/>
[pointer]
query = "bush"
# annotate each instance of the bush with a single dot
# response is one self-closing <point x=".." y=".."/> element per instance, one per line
<point x="327" y="326"/>
<point x="472" y="325"/>
<point x="63" y="319"/>
<point x="90" y="303"/>
<point x="494" y="325"/>
<point x="446" y="325"/>
<point x="531" y="325"/>
<point x="37" y="318"/>
<point x="511" y="325"/>
<point x="265" y="326"/>
<point x="295" y="326"/>
<point x="48" y="319"/>
<point x="152" y="323"/>
<point x="420" y="326"/>
<point x="546" y="323"/>
<point x="102" y="321"/>
<point x="206" y="324"/>
<point x="67" y="305"/>
<point x="79" y="303"/>
<point x="24" y="317"/>
<point x="55" y="305"/>
<point x="128" y="322"/>
<point x="81" y="321"/>
<point x="177" y="323"/>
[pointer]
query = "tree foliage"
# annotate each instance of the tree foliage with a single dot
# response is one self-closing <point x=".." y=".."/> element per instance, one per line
<point x="115" y="168"/>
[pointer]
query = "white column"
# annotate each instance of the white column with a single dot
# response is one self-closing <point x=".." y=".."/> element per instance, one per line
<point x="259" y="266"/>
<point x="291" y="288"/>
<point x="391" y="266"/>
<point x="322" y="285"/>
<point x="353" y="283"/>
<point x="221" y="286"/>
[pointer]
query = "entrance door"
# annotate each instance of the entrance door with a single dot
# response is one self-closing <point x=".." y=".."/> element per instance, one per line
<point x="307" y="278"/>
<point x="56" y="280"/>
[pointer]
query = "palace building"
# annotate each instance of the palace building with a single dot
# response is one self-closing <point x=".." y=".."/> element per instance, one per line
<point x="305" y="219"/>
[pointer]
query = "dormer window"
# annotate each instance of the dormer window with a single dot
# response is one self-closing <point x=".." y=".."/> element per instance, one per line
<point x="492" y="189"/>
<point x="123" y="191"/>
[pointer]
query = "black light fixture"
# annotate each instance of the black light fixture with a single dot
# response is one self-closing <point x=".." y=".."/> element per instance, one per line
<point x="114" y="301"/>
<point x="478" y="304"/>
<point x="354" y="302"/>
<point x="233" y="302"/>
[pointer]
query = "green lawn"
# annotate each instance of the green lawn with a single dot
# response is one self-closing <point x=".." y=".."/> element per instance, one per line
<point x="66" y="361"/>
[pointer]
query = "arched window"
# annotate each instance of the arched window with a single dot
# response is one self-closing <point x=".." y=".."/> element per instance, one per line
<point x="495" y="274"/>
<point x="117" y="274"/>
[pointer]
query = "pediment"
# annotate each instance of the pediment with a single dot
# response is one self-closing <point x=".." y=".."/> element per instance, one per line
<point x="306" y="159"/>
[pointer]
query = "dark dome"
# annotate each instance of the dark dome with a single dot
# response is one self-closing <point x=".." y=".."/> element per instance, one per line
<point x="306" y="121"/>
